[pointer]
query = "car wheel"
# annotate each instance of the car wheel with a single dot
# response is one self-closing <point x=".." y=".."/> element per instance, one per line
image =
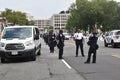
<point x="105" y="44"/>
<point x="2" y="60"/>
<point x="113" y="44"/>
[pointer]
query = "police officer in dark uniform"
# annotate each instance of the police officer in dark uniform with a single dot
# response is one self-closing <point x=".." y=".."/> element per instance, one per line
<point x="60" y="38"/>
<point x="93" y="46"/>
<point x="51" y="40"/>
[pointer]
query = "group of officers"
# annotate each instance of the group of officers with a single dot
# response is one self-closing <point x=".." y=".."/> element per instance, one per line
<point x="53" y="40"/>
<point x="92" y="43"/>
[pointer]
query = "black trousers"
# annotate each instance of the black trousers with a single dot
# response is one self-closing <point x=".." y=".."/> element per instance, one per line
<point x="60" y="52"/>
<point x="79" y="43"/>
<point x="51" y="45"/>
<point x="91" y="52"/>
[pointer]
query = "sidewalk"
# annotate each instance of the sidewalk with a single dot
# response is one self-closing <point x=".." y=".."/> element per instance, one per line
<point x="57" y="69"/>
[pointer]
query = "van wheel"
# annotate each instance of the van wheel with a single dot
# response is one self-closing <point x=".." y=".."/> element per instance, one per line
<point x="33" y="58"/>
<point x="39" y="52"/>
<point x="2" y="60"/>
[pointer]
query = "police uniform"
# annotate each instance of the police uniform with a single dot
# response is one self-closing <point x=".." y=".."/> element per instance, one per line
<point x="60" y="39"/>
<point x="51" y="42"/>
<point x="78" y="37"/>
<point x="93" y="47"/>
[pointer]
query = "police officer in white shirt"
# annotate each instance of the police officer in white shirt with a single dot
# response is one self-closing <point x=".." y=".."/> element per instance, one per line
<point x="79" y="39"/>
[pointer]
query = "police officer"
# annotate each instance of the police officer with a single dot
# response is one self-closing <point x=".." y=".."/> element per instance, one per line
<point x="93" y="46"/>
<point x="60" y="38"/>
<point x="51" y="40"/>
<point x="79" y="39"/>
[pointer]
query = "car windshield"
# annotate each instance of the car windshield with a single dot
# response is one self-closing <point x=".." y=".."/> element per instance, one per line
<point x="117" y="33"/>
<point x="24" y="32"/>
<point x="107" y="34"/>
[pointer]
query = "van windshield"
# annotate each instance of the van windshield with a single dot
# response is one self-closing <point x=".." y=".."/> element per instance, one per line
<point x="24" y="32"/>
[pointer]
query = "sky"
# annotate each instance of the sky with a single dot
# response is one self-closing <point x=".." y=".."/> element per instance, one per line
<point x="40" y="9"/>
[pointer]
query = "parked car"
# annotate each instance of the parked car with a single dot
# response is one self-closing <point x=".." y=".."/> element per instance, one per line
<point x="20" y="42"/>
<point x="112" y="38"/>
<point x="67" y="36"/>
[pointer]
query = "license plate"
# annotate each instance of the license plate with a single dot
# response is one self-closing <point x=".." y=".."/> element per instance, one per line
<point x="14" y="53"/>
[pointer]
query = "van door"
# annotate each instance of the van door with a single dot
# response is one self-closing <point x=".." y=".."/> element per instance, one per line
<point x="37" y="39"/>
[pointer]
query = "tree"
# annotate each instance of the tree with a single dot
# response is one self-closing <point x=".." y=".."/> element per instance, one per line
<point x="16" y="17"/>
<point x="73" y="20"/>
<point x="94" y="12"/>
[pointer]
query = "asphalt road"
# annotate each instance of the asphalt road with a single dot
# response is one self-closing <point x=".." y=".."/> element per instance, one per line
<point x="107" y="66"/>
<point x="46" y="67"/>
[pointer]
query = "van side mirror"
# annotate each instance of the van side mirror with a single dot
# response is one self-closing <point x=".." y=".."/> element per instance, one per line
<point x="36" y="37"/>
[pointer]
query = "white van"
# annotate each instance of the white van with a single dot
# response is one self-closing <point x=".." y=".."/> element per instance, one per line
<point x="20" y="42"/>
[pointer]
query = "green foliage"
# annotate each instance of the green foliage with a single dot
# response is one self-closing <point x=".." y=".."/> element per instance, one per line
<point x="86" y="13"/>
<point x="16" y="17"/>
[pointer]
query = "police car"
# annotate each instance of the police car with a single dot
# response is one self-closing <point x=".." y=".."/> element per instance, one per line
<point x="112" y="38"/>
<point x="67" y="36"/>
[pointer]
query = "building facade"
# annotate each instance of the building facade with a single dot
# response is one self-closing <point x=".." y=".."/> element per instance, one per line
<point x="42" y="23"/>
<point x="57" y="21"/>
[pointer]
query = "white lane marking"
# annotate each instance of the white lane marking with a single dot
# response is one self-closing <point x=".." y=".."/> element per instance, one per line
<point x="66" y="64"/>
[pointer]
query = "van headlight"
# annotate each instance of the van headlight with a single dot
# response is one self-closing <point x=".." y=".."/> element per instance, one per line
<point x="29" y="43"/>
<point x="2" y="44"/>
